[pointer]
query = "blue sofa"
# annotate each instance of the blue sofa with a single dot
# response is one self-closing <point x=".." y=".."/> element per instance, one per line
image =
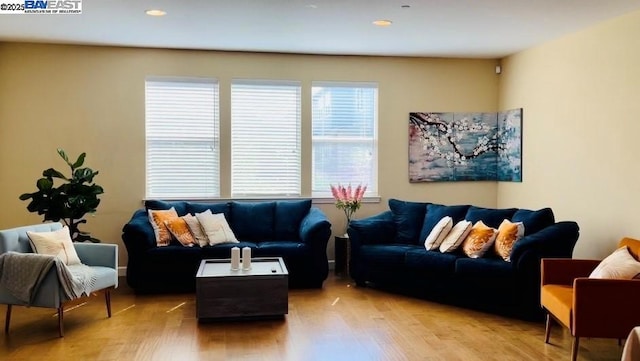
<point x="292" y="230"/>
<point x="387" y="251"/>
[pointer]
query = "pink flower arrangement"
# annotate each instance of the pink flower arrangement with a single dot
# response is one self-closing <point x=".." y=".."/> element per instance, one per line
<point x="348" y="199"/>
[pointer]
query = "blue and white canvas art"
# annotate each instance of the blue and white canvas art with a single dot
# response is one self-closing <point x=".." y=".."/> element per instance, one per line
<point x="510" y="145"/>
<point x="465" y="146"/>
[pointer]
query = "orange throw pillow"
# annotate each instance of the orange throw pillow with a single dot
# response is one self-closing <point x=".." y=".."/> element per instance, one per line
<point x="157" y="219"/>
<point x="180" y="230"/>
<point x="479" y="240"/>
<point x="508" y="234"/>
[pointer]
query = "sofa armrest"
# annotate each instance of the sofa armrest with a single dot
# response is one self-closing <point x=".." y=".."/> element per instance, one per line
<point x="605" y="307"/>
<point x="376" y="229"/>
<point x="98" y="254"/>
<point x="137" y="234"/>
<point x="555" y="241"/>
<point x="563" y="271"/>
<point x="315" y="227"/>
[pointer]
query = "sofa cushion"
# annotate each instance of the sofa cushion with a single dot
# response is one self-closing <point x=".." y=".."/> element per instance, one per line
<point x="490" y="216"/>
<point x="388" y="257"/>
<point x="408" y="217"/>
<point x="253" y="221"/>
<point x="431" y="261"/>
<point x="225" y="208"/>
<point x="377" y="231"/>
<point x="288" y="215"/>
<point x="284" y="249"/>
<point x="435" y="212"/>
<point x="558" y="299"/>
<point x="490" y="267"/>
<point x="216" y="227"/>
<point x="223" y="250"/>
<point x="179" y="206"/>
<point x="534" y="221"/>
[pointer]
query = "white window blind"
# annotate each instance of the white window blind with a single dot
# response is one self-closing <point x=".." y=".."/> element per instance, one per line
<point x="182" y="138"/>
<point x="265" y="138"/>
<point x="345" y="118"/>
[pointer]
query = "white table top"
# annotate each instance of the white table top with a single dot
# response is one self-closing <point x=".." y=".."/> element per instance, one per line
<point x="259" y="267"/>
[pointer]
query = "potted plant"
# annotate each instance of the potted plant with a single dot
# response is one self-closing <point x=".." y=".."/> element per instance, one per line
<point x="71" y="200"/>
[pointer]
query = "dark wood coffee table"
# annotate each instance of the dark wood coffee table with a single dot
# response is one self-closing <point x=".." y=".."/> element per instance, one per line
<point x="224" y="293"/>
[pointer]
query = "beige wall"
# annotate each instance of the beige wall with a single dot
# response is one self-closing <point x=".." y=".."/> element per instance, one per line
<point x="580" y="96"/>
<point x="91" y="99"/>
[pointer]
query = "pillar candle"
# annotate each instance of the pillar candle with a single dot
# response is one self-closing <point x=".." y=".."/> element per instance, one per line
<point x="235" y="258"/>
<point x="246" y="258"/>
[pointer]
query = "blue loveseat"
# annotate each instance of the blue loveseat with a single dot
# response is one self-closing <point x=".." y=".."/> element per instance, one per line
<point x="387" y="251"/>
<point x="292" y="230"/>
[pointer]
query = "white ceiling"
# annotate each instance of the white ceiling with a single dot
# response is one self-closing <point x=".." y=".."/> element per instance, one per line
<point x="440" y="28"/>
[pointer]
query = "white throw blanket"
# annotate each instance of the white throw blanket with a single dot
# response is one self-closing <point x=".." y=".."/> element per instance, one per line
<point x="22" y="273"/>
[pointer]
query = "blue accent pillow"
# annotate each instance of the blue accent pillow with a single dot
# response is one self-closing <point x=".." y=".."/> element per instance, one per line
<point x="253" y="221"/>
<point x="224" y="207"/>
<point x="408" y="217"/>
<point x="153" y="204"/>
<point x="289" y="215"/>
<point x="492" y="217"/>
<point x="435" y="212"/>
<point x="534" y="221"/>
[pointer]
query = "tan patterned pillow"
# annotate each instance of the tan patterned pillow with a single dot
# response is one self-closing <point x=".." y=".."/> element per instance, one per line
<point x="157" y="219"/>
<point x="479" y="240"/>
<point x="455" y="237"/>
<point x="56" y="243"/>
<point x="620" y="265"/>
<point x="194" y="226"/>
<point x="508" y="234"/>
<point x="439" y="231"/>
<point x="179" y="229"/>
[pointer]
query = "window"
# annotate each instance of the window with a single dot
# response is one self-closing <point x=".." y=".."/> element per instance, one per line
<point x="344" y="117"/>
<point x="265" y="138"/>
<point x="182" y="138"/>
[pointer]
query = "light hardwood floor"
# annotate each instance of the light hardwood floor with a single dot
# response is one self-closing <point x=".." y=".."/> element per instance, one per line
<point x="339" y="322"/>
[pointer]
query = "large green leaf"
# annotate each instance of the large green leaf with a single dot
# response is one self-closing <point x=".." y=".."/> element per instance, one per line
<point x="52" y="173"/>
<point x="44" y="184"/>
<point x="25" y="196"/>
<point x="80" y="161"/>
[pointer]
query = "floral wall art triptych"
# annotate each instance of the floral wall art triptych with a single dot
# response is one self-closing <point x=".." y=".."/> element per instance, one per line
<point x="465" y="146"/>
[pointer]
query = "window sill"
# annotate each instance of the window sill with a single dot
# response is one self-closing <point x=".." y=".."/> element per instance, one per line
<point x="314" y="200"/>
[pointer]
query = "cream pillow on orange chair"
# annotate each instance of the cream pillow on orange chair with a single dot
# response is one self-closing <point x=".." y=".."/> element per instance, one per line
<point x="618" y="265"/>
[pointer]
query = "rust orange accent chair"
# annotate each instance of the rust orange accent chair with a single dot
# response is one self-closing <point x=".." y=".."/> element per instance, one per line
<point x="589" y="307"/>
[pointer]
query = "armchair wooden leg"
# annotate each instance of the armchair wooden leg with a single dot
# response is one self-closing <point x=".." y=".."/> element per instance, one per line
<point x="107" y="299"/>
<point x="7" y="319"/>
<point x="547" y="328"/>
<point x="60" y="320"/>
<point x="574" y="348"/>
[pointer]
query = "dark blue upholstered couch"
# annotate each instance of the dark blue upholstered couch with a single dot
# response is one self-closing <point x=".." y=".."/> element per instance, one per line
<point x="387" y="251"/>
<point x="292" y="230"/>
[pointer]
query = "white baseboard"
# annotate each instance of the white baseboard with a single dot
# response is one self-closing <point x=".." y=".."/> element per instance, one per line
<point x="122" y="271"/>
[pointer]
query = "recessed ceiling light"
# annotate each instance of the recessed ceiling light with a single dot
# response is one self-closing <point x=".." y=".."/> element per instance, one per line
<point x="156" y="12"/>
<point x="382" y="22"/>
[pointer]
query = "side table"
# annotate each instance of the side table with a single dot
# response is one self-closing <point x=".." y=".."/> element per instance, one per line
<point x="343" y="253"/>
